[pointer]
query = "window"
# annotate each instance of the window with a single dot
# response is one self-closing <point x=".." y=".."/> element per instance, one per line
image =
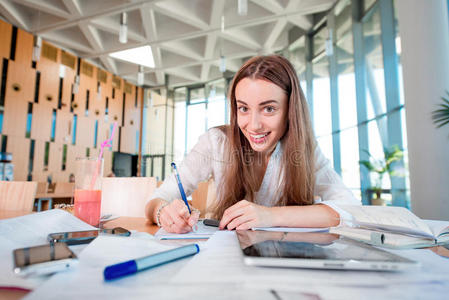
<point x="322" y="116"/>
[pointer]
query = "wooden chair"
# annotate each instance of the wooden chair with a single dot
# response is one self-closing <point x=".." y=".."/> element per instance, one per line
<point x="43" y="201"/>
<point x="204" y="196"/>
<point x="126" y="196"/>
<point x="17" y="195"/>
<point x="64" y="189"/>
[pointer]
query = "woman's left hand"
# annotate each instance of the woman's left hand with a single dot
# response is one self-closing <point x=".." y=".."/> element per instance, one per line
<point x="245" y="215"/>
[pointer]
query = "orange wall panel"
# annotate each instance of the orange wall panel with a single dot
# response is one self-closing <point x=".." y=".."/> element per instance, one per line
<point x="128" y="140"/>
<point x="85" y="131"/>
<point x="69" y="79"/>
<point x="25" y="77"/>
<point x="49" y="82"/>
<point x="55" y="158"/>
<point x="5" y="44"/>
<point x="24" y="48"/>
<point x="64" y="127"/>
<point x="20" y="91"/>
<point x="20" y="149"/>
<point x="41" y="121"/>
<point x="38" y="161"/>
<point x="115" y="109"/>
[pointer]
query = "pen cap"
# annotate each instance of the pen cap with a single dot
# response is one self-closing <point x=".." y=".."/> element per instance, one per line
<point x="120" y="270"/>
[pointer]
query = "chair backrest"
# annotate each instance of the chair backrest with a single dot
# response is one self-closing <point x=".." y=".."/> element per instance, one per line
<point x="126" y="196"/>
<point x="199" y="197"/>
<point x="17" y="195"/>
<point x="42" y="188"/>
<point x="204" y="196"/>
<point x="64" y="189"/>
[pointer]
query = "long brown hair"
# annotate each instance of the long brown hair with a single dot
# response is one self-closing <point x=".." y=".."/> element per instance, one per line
<point x="298" y="179"/>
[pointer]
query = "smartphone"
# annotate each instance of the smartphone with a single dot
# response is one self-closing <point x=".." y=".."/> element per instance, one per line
<point x="84" y="237"/>
<point x="44" y="259"/>
<point x="211" y="222"/>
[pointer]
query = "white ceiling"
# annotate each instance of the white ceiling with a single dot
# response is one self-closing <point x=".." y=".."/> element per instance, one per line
<point x="185" y="35"/>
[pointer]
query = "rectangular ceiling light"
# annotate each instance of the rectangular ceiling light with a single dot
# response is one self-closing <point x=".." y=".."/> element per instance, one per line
<point x="139" y="56"/>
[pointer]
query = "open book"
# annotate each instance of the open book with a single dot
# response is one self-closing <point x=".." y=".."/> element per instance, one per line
<point x="390" y="226"/>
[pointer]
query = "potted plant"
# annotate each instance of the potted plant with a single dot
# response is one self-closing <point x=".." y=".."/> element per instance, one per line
<point x="380" y="167"/>
<point x="441" y="116"/>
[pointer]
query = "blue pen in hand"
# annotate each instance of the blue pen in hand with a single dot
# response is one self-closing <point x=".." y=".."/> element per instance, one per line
<point x="181" y="189"/>
<point x="133" y="266"/>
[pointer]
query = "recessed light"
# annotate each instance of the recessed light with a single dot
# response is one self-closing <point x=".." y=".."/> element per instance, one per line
<point x="139" y="56"/>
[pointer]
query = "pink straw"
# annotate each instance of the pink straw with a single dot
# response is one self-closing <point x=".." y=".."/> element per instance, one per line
<point x="106" y="143"/>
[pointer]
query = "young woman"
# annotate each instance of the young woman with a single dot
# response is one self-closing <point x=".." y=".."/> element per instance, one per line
<point x="267" y="166"/>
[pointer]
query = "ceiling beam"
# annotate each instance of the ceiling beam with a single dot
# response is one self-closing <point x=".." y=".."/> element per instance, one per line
<point x="74" y="7"/>
<point x="179" y="48"/>
<point x="270" y="5"/>
<point x="212" y="38"/>
<point x="44" y="7"/>
<point x="196" y="63"/>
<point x="303" y="22"/>
<point x="114" y="28"/>
<point x="12" y="14"/>
<point x="109" y="63"/>
<point x="67" y="42"/>
<point x="240" y="24"/>
<point x="148" y="22"/>
<point x="92" y="36"/>
<point x="126" y="6"/>
<point x="160" y="76"/>
<point x="275" y="33"/>
<point x="182" y="16"/>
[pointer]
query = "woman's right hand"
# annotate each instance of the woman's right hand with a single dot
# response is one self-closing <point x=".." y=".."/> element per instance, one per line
<point x="175" y="217"/>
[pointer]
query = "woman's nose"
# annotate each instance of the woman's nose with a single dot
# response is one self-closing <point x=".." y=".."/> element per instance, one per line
<point x="255" y="121"/>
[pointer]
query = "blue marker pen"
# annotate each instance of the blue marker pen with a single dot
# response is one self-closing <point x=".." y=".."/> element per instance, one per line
<point x="133" y="266"/>
<point x="181" y="189"/>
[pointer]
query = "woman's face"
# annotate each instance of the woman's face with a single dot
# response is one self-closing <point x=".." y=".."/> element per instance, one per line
<point x="261" y="113"/>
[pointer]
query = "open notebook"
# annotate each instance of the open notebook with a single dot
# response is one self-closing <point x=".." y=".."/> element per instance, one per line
<point x="394" y="227"/>
<point x="202" y="232"/>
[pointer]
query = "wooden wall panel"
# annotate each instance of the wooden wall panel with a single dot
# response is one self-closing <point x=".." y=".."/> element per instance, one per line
<point x="42" y="121"/>
<point x="69" y="79"/>
<point x="39" y="174"/>
<point x="24" y="48"/>
<point x="5" y="33"/>
<point x="128" y="140"/>
<point x="49" y="82"/>
<point x="55" y="158"/>
<point x="130" y="109"/>
<point x="97" y="105"/>
<point x="63" y="127"/>
<point x="85" y="131"/>
<point x="115" y="108"/>
<point x="20" y="91"/>
<point x="79" y="101"/>
<point x="74" y="152"/>
<point x="20" y="149"/>
<point x="107" y="169"/>
<point x="16" y="101"/>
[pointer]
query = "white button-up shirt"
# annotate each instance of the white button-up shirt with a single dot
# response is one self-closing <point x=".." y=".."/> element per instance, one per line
<point x="207" y="160"/>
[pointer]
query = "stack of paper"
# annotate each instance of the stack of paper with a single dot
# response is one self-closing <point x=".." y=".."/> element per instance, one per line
<point x="394" y="227"/>
<point x="27" y="231"/>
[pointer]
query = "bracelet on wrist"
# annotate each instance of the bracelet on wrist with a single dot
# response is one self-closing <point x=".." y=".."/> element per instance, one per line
<point x="158" y="212"/>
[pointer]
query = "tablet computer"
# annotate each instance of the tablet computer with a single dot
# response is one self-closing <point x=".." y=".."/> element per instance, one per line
<point x="316" y="250"/>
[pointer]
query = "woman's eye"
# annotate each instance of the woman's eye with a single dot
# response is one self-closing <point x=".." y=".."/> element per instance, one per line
<point x="243" y="109"/>
<point x="269" y="109"/>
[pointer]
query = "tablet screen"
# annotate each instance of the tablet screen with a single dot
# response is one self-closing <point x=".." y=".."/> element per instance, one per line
<point x="310" y="246"/>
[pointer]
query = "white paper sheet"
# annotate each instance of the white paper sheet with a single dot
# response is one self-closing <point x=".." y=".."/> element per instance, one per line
<point x="202" y="232"/>
<point x="31" y="230"/>
<point x="86" y="281"/>
<point x="222" y="261"/>
<point x="290" y="229"/>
